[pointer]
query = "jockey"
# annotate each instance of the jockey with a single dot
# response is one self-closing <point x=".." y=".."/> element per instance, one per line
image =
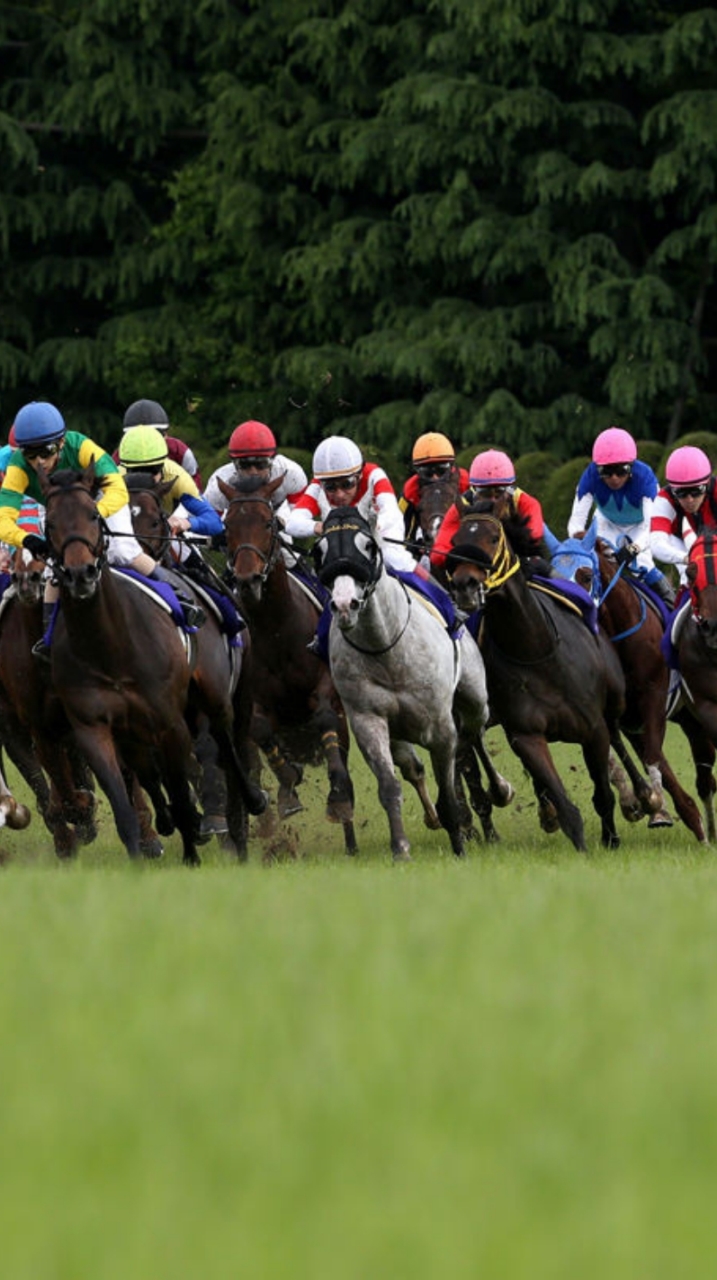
<point x="32" y="516"/>
<point x="341" y="478"/>
<point x="148" y="413"/>
<point x="491" y="475"/>
<point x="43" y="446"/>
<point x="684" y="508"/>
<point x="433" y="458"/>
<point x="622" y="489"/>
<point x="252" y="450"/>
<point x="145" y="449"/>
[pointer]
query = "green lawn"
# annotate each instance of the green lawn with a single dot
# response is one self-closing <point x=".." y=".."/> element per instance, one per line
<point x="323" y="1068"/>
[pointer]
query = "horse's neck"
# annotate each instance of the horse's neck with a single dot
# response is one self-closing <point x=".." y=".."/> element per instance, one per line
<point x="384" y="614"/>
<point x="517" y="619"/>
<point x="99" y="625"/>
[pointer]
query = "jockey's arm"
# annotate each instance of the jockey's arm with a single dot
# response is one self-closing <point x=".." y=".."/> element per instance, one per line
<point x="202" y="517"/>
<point x="305" y="514"/>
<point x="12" y="499"/>
<point x="580" y="515"/>
<point x="444" y="538"/>
<point x="114" y="494"/>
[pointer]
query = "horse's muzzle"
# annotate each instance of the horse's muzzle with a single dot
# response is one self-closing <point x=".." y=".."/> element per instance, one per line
<point x="467" y="592"/>
<point x="81" y="581"/>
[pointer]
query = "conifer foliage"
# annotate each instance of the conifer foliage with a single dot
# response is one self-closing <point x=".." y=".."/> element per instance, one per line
<point x="496" y="220"/>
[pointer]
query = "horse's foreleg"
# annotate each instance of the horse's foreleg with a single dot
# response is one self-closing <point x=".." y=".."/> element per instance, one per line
<point x="371" y="733"/>
<point x="534" y="753"/>
<point x="595" y="755"/>
<point x="333" y="732"/>
<point x="97" y="745"/>
<point x="634" y="794"/>
<point x="176" y="757"/>
<point x="703" y="755"/>
<point x="443" y="759"/>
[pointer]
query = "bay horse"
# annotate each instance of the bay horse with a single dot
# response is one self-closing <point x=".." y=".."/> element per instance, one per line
<point x="434" y="499"/>
<point x="35" y="731"/>
<point x="119" y="666"/>
<point x="298" y="717"/>
<point x="695" y="641"/>
<point x="635" y="627"/>
<point x="220" y="692"/>
<point x="400" y="675"/>
<point x="549" y="678"/>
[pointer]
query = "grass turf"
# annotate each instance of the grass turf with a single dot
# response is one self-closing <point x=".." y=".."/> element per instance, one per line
<point x="501" y="1067"/>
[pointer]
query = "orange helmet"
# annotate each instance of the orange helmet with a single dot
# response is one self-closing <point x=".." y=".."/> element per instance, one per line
<point x="432" y="447"/>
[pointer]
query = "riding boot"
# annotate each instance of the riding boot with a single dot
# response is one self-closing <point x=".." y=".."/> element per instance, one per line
<point x="663" y="588"/>
<point x="41" y="649"/>
<point x="194" y="615"/>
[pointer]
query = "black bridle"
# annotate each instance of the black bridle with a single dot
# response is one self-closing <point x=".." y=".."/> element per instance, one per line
<point x="268" y="558"/>
<point x="97" y="549"/>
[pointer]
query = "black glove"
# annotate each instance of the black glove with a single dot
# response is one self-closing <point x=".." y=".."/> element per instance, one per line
<point x="37" y="546"/>
<point x="219" y="541"/>
<point x="626" y="554"/>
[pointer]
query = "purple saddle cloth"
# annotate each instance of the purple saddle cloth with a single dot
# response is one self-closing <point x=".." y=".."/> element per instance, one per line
<point x="434" y="593"/>
<point x="574" y="594"/>
<point x="165" y="593"/>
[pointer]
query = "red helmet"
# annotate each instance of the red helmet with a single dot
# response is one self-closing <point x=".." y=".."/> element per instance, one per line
<point x="252" y="440"/>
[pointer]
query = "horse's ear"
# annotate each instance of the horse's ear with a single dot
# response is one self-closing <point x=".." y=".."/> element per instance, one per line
<point x="463" y="502"/>
<point x="551" y="541"/>
<point x="165" y="487"/>
<point x="691" y="573"/>
<point x="88" y="476"/>
<point x="229" y="490"/>
<point x="590" y="537"/>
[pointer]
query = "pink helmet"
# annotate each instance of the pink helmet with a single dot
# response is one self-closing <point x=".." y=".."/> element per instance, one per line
<point x="613" y="447"/>
<point x="492" y="468"/>
<point x="688" y="465"/>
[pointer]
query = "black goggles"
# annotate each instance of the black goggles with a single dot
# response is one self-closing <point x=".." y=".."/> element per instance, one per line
<point x="619" y="469"/>
<point x="341" y="482"/>
<point x="252" y="464"/>
<point x="433" y="470"/>
<point x="49" y="450"/>
<point x="689" y="491"/>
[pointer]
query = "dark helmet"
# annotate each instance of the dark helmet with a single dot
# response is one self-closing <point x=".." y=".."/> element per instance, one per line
<point x="145" y="413"/>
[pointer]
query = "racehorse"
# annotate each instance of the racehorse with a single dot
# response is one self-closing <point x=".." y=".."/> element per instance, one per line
<point x="696" y="645"/>
<point x="220" y="697"/>
<point x="549" y="678"/>
<point x="399" y="673"/>
<point x="635" y="627"/>
<point x="296" y="706"/>
<point x="120" y="668"/>
<point x="35" y="731"/>
<point x="435" y="498"/>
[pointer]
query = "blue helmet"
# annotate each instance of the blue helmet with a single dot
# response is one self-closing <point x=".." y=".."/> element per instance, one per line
<point x="38" y="423"/>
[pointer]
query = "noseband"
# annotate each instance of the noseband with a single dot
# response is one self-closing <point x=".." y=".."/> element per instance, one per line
<point x="268" y="558"/>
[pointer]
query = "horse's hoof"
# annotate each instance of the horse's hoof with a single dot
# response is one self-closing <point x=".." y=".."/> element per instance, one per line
<point x="432" y="821"/>
<point x="18" y="818"/>
<point x="151" y="848"/>
<point x="661" y="819"/>
<point x="402" y="855"/>
<point x="632" y="812"/>
<point x="503" y="797"/>
<point x="288" y="803"/>
<point x="340" y="811"/>
<point x="192" y="860"/>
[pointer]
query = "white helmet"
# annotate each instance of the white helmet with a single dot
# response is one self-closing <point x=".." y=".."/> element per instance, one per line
<point x="337" y="456"/>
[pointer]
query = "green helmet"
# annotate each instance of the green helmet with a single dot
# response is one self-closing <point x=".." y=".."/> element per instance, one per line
<point x="142" y="448"/>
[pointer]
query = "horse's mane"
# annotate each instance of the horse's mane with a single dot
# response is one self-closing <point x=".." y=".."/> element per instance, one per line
<point x="247" y="484"/>
<point x="517" y="528"/>
<point x="66" y="478"/>
<point x="140" y="481"/>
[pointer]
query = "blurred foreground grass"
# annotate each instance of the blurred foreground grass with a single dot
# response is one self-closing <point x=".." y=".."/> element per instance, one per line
<point x="321" y="1068"/>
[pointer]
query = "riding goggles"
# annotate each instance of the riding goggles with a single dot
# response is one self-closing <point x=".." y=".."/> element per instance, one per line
<point x="340" y="482"/>
<point x="689" y="491"/>
<point x="49" y="450"/>
<point x="619" y="469"/>
<point x="492" y="490"/>
<point x="252" y="464"/>
<point x="433" y="470"/>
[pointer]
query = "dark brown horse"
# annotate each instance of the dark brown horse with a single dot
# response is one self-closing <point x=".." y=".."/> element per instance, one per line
<point x="120" y="668"/>
<point x="220" y="694"/>
<point x="635" y="627"/>
<point x="434" y="499"/>
<point x="696" y="644"/>
<point x="35" y="731"/>
<point x="549" y="678"/>
<point x="297" y="713"/>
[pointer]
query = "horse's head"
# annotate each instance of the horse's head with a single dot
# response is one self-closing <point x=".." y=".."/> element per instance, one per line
<point x="349" y="561"/>
<point x="576" y="559"/>
<point x="435" y="497"/>
<point x="28" y="577"/>
<point x="149" y="519"/>
<point x="481" y="559"/>
<point x="702" y="580"/>
<point x="74" y="529"/>
<point x="253" y="532"/>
